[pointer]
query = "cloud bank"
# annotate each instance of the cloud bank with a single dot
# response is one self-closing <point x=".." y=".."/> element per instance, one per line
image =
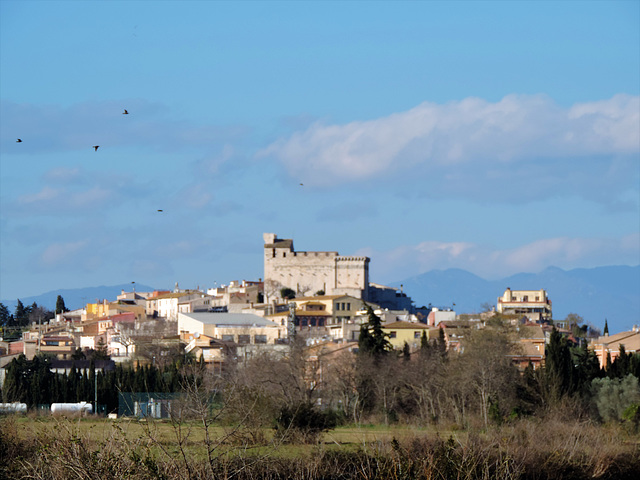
<point x="465" y="146"/>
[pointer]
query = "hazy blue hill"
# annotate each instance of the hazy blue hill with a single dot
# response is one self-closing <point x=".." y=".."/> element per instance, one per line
<point x="445" y="287"/>
<point x="77" y="297"/>
<point x="611" y="292"/>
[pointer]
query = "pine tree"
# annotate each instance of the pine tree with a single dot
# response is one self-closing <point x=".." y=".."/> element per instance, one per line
<point x="587" y="367"/>
<point x="21" y="315"/>
<point x="5" y="317"/>
<point x="372" y="340"/>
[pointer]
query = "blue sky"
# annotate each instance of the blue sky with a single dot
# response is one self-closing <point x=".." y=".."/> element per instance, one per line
<point x="498" y="137"/>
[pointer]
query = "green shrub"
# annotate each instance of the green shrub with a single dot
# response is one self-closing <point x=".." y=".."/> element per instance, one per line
<point x="303" y="423"/>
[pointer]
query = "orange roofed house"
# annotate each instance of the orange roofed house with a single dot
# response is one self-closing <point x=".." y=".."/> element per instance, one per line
<point x="610" y="344"/>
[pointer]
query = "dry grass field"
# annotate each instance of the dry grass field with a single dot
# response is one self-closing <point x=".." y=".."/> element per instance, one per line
<point x="97" y="448"/>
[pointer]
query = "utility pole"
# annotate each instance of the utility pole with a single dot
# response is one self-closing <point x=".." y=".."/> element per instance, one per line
<point x="95" y="388"/>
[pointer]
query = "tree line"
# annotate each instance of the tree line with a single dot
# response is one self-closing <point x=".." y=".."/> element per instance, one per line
<point x="24" y="316"/>
<point x="32" y="382"/>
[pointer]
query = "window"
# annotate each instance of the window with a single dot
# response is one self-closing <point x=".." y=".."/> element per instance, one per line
<point x="392" y="335"/>
<point x="337" y="306"/>
<point x="260" y="339"/>
<point x="348" y="306"/>
<point x="227" y="338"/>
<point x="243" y="339"/>
<point x="343" y="306"/>
<point x="525" y="298"/>
<point x="416" y="334"/>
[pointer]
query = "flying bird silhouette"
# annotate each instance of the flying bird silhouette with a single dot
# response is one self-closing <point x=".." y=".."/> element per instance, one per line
<point x="125" y="112"/>
<point x="96" y="147"/>
<point x="161" y="210"/>
<point x="19" y="140"/>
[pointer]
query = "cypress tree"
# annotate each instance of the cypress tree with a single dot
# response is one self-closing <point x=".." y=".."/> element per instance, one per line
<point x="60" y="306"/>
<point x="558" y="365"/>
<point x="424" y="342"/>
<point x="406" y="352"/>
<point x="441" y="342"/>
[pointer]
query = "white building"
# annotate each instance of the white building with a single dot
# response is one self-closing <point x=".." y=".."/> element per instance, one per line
<point x="240" y="328"/>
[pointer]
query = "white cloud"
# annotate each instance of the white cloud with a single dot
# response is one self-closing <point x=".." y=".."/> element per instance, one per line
<point x="490" y="262"/>
<point x="47" y="194"/>
<point x="472" y="141"/>
<point x="59" y="254"/>
<point x="62" y="200"/>
<point x="75" y="190"/>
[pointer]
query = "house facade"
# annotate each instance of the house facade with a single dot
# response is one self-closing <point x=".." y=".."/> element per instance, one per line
<point x="533" y="304"/>
<point x="399" y="333"/>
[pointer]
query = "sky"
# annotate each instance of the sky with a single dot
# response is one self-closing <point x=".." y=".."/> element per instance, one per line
<point x="497" y="137"/>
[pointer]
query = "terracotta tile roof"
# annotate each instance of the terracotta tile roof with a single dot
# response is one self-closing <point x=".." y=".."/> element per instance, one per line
<point x="312" y="313"/>
<point x="630" y="340"/>
<point x="406" y="326"/>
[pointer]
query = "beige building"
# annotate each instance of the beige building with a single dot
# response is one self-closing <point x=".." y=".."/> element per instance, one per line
<point x="167" y="305"/>
<point x="334" y="313"/>
<point x="310" y="272"/>
<point x="533" y="304"/>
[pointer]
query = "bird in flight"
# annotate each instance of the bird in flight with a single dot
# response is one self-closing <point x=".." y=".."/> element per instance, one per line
<point x="302" y="184"/>
<point x="19" y="140"/>
<point x="96" y="147"/>
<point x="161" y="210"/>
<point x="125" y="112"/>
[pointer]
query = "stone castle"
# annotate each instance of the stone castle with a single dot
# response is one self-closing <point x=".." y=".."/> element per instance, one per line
<point x="308" y="273"/>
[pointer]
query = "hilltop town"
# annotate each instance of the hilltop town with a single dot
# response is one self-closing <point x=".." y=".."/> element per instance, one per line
<point x="322" y="297"/>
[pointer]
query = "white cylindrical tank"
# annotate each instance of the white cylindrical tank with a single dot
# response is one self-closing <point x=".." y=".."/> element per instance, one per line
<point x="80" y="407"/>
<point x="15" y="407"/>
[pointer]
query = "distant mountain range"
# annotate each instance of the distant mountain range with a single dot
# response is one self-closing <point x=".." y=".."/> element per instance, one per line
<point x="594" y="294"/>
<point x="76" y="297"/>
